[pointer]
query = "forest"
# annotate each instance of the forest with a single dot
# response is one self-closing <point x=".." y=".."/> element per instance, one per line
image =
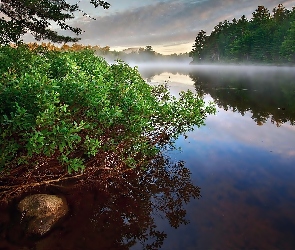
<point x="265" y="38"/>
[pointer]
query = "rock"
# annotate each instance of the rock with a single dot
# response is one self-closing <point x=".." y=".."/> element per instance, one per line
<point x="40" y="212"/>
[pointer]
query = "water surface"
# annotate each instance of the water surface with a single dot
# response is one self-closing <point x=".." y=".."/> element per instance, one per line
<point x="243" y="171"/>
<point x="243" y="159"/>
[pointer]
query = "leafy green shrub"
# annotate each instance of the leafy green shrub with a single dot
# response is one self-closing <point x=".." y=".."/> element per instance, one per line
<point x="74" y="107"/>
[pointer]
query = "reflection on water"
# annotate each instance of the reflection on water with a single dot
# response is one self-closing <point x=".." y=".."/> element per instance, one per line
<point x="246" y="171"/>
<point x="118" y="211"/>
<point x="266" y="95"/>
<point x="266" y="92"/>
<point x="246" y="174"/>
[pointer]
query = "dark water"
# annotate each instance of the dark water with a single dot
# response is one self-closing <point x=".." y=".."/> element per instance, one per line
<point x="115" y="210"/>
<point x="243" y="159"/>
<point x="243" y="176"/>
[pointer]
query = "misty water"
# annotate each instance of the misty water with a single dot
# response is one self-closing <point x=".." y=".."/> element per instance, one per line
<point x="243" y="160"/>
<point x="242" y="166"/>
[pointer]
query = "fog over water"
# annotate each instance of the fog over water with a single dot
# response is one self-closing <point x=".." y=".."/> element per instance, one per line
<point x="239" y="167"/>
<point x="178" y="74"/>
<point x="230" y="68"/>
<point x="242" y="160"/>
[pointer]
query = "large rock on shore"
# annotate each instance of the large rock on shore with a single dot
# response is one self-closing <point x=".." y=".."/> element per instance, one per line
<point x="40" y="212"/>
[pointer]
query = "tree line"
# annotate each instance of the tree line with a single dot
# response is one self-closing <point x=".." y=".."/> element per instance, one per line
<point x="266" y="37"/>
<point x="139" y="55"/>
<point x="148" y="54"/>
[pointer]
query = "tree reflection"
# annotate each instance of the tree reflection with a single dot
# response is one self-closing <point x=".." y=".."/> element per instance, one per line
<point x="268" y="93"/>
<point x="267" y="96"/>
<point x="119" y="210"/>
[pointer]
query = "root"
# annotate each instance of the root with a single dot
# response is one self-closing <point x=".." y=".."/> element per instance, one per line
<point x="19" y="183"/>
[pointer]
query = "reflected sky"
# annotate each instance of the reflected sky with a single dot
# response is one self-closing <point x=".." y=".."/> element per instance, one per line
<point x="246" y="174"/>
<point x="246" y="184"/>
<point x="242" y="178"/>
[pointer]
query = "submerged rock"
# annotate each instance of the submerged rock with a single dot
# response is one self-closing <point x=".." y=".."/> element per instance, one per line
<point x="41" y="212"/>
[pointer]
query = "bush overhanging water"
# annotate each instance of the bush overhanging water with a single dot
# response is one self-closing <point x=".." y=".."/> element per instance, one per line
<point x="73" y="107"/>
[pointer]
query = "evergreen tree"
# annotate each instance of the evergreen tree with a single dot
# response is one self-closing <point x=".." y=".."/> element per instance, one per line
<point x="266" y="38"/>
<point x="198" y="47"/>
<point x="288" y="46"/>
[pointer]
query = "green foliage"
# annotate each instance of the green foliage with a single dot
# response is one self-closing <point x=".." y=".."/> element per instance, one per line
<point x="36" y="17"/>
<point x="73" y="107"/>
<point x="266" y="38"/>
<point x="288" y="46"/>
<point x="198" y="47"/>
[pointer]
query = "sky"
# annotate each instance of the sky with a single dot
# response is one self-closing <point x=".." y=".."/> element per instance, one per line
<point x="169" y="26"/>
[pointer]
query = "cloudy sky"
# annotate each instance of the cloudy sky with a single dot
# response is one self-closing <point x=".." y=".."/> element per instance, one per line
<point x="169" y="26"/>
